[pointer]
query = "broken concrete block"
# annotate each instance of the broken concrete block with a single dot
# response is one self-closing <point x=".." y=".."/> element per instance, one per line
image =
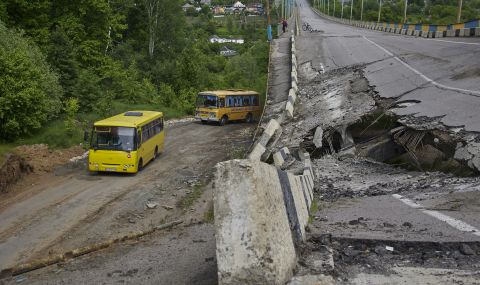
<point x="292" y="96"/>
<point x="289" y="109"/>
<point x="462" y="154"/>
<point x="281" y="156"/>
<point x="257" y="152"/>
<point x="254" y="243"/>
<point x="318" y="137"/>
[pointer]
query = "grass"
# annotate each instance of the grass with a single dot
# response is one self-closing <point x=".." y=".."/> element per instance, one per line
<point x="209" y="215"/>
<point x="188" y="200"/>
<point x="236" y="152"/>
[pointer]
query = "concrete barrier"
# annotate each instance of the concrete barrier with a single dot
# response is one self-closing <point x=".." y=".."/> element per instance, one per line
<point x="450" y="33"/>
<point x="262" y="143"/>
<point x="254" y="241"/>
<point x="477" y="32"/>
<point x="461" y="32"/>
<point x="438" y="34"/>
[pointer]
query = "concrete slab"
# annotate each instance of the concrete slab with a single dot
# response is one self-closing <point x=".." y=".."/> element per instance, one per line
<point x="254" y="242"/>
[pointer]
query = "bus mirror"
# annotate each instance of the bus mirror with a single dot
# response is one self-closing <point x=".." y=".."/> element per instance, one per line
<point x="85" y="136"/>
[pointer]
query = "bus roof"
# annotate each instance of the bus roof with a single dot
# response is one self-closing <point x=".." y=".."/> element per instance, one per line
<point x="228" y="92"/>
<point x="129" y="119"/>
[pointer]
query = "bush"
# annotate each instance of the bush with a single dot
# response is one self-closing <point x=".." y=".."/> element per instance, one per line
<point x="30" y="92"/>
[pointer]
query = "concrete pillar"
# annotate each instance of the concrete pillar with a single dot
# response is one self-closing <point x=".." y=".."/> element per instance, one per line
<point x="477" y="32"/>
<point x="450" y="33"/>
<point x="461" y="32"/>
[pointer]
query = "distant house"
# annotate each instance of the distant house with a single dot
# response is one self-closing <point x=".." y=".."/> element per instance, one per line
<point x="216" y="39"/>
<point x="225" y="51"/>
<point x="206" y="2"/>
<point x="218" y="10"/>
<point x="255" y="8"/>
<point x="186" y="7"/>
<point x="239" y="5"/>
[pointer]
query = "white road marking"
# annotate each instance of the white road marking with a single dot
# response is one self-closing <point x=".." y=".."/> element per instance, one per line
<point x="458" y="224"/>
<point x="464" y="43"/>
<point x="426" y="78"/>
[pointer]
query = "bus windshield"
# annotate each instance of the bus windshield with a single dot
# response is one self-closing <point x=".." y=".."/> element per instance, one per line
<point x="113" y="138"/>
<point x="207" y="101"/>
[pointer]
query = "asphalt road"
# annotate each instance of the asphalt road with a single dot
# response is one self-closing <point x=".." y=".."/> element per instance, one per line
<point x="440" y="78"/>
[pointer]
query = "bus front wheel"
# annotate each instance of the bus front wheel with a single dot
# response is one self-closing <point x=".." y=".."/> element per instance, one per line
<point x="223" y="121"/>
<point x="140" y="165"/>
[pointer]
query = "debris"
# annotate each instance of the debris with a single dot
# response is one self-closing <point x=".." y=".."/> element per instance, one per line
<point x="151" y="205"/>
<point x="317" y="138"/>
<point x="167" y="207"/>
<point x="466" y="249"/>
<point x="389" y="248"/>
<point x="20" y="279"/>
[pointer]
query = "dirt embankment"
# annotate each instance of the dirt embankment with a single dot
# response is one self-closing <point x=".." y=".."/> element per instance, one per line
<point x="14" y="167"/>
<point x="37" y="158"/>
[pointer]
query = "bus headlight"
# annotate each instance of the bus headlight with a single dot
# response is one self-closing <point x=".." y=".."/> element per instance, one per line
<point x="212" y="115"/>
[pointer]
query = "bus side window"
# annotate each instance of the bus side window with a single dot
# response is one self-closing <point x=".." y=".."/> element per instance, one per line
<point x="246" y="101"/>
<point x="139" y="137"/>
<point x="221" y="102"/>
<point x="254" y="100"/>
<point x="230" y="101"/>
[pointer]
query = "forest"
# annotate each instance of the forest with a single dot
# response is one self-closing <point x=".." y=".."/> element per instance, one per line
<point x="441" y="12"/>
<point x="64" y="64"/>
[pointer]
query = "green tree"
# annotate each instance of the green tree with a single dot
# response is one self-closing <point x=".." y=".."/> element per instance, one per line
<point x="29" y="91"/>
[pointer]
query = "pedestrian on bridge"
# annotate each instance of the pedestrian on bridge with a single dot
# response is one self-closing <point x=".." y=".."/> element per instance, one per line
<point x="284" y="25"/>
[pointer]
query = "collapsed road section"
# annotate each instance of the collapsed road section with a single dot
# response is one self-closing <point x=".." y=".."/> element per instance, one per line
<point x="395" y="168"/>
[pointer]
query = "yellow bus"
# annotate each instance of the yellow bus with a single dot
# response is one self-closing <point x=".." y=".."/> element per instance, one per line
<point x="228" y="105"/>
<point x="126" y="142"/>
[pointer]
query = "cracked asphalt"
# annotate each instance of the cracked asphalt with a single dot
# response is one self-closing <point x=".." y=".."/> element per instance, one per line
<point x="440" y="75"/>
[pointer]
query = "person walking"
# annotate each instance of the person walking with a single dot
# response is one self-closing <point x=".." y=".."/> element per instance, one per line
<point x="284" y="25"/>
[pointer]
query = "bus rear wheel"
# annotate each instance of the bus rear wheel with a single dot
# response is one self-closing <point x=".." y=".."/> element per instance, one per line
<point x="223" y="121"/>
<point x="249" y="118"/>
<point x="155" y="153"/>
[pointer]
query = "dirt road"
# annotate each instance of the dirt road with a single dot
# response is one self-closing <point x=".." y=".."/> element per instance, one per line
<point x="71" y="208"/>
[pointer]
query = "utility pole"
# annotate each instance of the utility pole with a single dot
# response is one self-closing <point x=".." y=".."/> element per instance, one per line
<point x="342" y="11"/>
<point x="328" y="7"/>
<point x="351" y="9"/>
<point x="459" y="11"/>
<point x="269" y="27"/>
<point x="361" y="12"/>
<point x="379" y="10"/>
<point x="334" y="7"/>
<point x="405" y="12"/>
